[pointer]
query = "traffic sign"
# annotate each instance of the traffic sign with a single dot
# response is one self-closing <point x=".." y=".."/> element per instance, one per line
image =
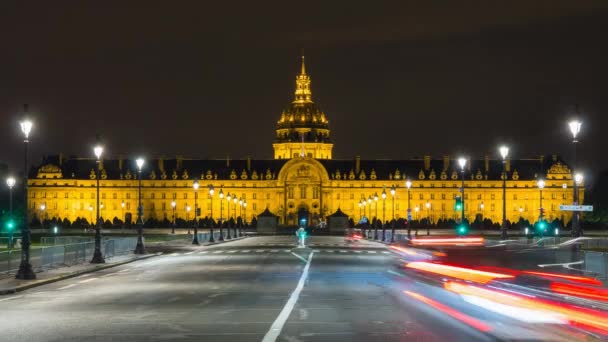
<point x="576" y="207"/>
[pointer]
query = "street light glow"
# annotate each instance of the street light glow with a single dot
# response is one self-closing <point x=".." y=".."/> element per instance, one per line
<point x="504" y="151"/>
<point x="578" y="178"/>
<point x="462" y="162"/>
<point x="26" y="127"/>
<point x="173" y="204"/>
<point x="211" y="190"/>
<point x="140" y="163"/>
<point x="221" y="194"/>
<point x="98" y="150"/>
<point x="541" y="184"/>
<point x="393" y="191"/>
<point x="383" y="194"/>
<point x="195" y="185"/>
<point x="42" y="207"/>
<point x="575" y="128"/>
<point x="408" y="184"/>
<point x="10" y="181"/>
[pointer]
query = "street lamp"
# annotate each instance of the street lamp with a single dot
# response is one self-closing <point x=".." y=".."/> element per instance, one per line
<point x="173" y="205"/>
<point x="10" y="182"/>
<point x="383" y="214"/>
<point x="482" y="207"/>
<point x="222" y="212"/>
<point x="245" y="212"/>
<point x="139" y="248"/>
<point x="393" y="191"/>
<point x="575" y="128"/>
<point x="122" y="207"/>
<point x="541" y="186"/>
<point x="25" y="268"/>
<point x="97" y="256"/>
<point x="211" y="192"/>
<point x="504" y="152"/>
<point x="408" y="185"/>
<point x="42" y="215"/>
<point x="462" y="162"/>
<point x="234" y="202"/>
<point x="428" y="217"/>
<point x="195" y="239"/>
<point x="360" y="207"/>
<point x="376" y="217"/>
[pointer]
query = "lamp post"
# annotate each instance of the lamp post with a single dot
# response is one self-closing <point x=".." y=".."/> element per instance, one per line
<point x="578" y="180"/>
<point x="383" y="214"/>
<point x="482" y="207"/>
<point x="504" y="152"/>
<point x="91" y="211"/>
<point x="139" y="248"/>
<point x="173" y="205"/>
<point x="25" y="268"/>
<point x="42" y="208"/>
<point x="408" y="185"/>
<point x="393" y="191"/>
<point x="369" y="212"/>
<point x="211" y="193"/>
<point x="195" y="238"/>
<point x="428" y="217"/>
<point x="235" y="202"/>
<point x="462" y="162"/>
<point x="376" y="217"/>
<point x="541" y="186"/>
<point x="10" y="182"/>
<point x="245" y="211"/>
<point x="241" y="213"/>
<point x="188" y="223"/>
<point x="97" y="256"/>
<point x="222" y="213"/>
<point x="122" y="208"/>
<point x="360" y="206"/>
<point x="575" y="128"/>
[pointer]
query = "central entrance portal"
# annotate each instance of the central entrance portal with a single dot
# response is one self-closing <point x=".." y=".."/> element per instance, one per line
<point x="303" y="216"/>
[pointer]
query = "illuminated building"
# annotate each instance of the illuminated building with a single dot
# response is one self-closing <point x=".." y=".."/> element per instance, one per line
<point x="304" y="180"/>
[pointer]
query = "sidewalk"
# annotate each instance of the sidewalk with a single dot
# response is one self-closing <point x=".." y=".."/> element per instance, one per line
<point x="11" y="285"/>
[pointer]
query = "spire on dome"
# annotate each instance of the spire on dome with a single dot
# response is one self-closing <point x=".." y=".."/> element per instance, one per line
<point x="303" y="93"/>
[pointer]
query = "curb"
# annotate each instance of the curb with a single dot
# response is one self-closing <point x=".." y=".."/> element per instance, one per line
<point x="71" y="275"/>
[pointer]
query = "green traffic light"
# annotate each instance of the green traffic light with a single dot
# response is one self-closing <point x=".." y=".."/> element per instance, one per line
<point x="462" y="229"/>
<point x="10" y="225"/>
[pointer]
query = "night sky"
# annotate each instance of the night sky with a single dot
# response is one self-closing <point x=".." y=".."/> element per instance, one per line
<point x="209" y="79"/>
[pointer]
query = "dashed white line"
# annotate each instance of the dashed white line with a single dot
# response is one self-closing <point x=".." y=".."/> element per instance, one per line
<point x="86" y="280"/>
<point x="246" y="251"/>
<point x="174" y="254"/>
<point x="342" y="251"/>
<point x="203" y="252"/>
<point x="357" y="251"/>
<point x="67" y="287"/>
<point x="371" y="252"/>
<point x="260" y="250"/>
<point x="10" y="298"/>
<point x="218" y="252"/>
<point x="385" y="252"/>
<point x="189" y="253"/>
<point x="232" y="251"/>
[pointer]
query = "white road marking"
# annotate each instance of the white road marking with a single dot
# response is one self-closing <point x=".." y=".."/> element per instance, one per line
<point x="174" y="254"/>
<point x="246" y="251"/>
<point x="189" y="253"/>
<point x="357" y="251"/>
<point x="109" y="274"/>
<point x="260" y="250"/>
<point x="317" y="250"/>
<point x="86" y="280"/>
<point x="287" y="250"/>
<point x="299" y="257"/>
<point x="10" y="298"/>
<point x="329" y="250"/>
<point x="277" y="325"/>
<point x="123" y="271"/>
<point x="385" y="252"/>
<point x="217" y="252"/>
<point x="342" y="251"/>
<point x="203" y="252"/>
<point x="371" y="252"/>
<point x="67" y="287"/>
<point x="232" y="251"/>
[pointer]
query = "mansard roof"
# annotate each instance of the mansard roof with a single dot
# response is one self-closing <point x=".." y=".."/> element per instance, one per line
<point x="263" y="169"/>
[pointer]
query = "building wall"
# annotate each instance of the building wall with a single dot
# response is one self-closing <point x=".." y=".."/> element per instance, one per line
<point x="302" y="183"/>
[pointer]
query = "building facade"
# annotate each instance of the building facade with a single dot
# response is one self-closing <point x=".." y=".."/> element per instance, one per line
<point x="303" y="180"/>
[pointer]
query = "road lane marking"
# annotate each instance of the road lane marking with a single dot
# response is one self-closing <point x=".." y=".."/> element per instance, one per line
<point x="371" y="252"/>
<point x="67" y="287"/>
<point x="342" y="251"/>
<point x="329" y="250"/>
<point x="218" y="252"/>
<point x="232" y="251"/>
<point x="246" y="251"/>
<point x="260" y="250"/>
<point x="357" y="251"/>
<point x="317" y="250"/>
<point x="385" y="252"/>
<point x="189" y="253"/>
<point x="86" y="280"/>
<point x="299" y="257"/>
<point x="396" y="273"/>
<point x="10" y="298"/>
<point x="109" y="274"/>
<point x="274" y="250"/>
<point x="203" y="252"/>
<point x="174" y="254"/>
<point x="123" y="271"/>
<point x="277" y="325"/>
<point x="287" y="250"/>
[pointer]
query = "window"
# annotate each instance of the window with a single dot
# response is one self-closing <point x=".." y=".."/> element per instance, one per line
<point x="268" y="196"/>
<point x="492" y="207"/>
<point x="492" y="196"/>
<point x="128" y="195"/>
<point x="151" y="196"/>
<point x="338" y="196"/>
<point x="315" y="192"/>
<point x="81" y="195"/>
<point x="421" y="196"/>
<point x="303" y="191"/>
<point x="553" y="196"/>
<point x="185" y="195"/>
<point x="244" y="196"/>
<point x="174" y="195"/>
<point x="432" y="196"/>
<point x="114" y="195"/>
<point x="65" y="207"/>
<point x="92" y="195"/>
<point x="164" y="206"/>
<point x="255" y="195"/>
<point x="66" y="195"/>
<point x="478" y="196"/>
<point x="33" y="194"/>
<point x="443" y="206"/>
<point x="255" y="207"/>
<point x="442" y="196"/>
<point x="352" y="196"/>
<point x="128" y="206"/>
<point x="514" y="196"/>
<point x="290" y="192"/>
<point x="564" y="196"/>
<point x="163" y="195"/>
<point x="103" y="195"/>
<point x="44" y="195"/>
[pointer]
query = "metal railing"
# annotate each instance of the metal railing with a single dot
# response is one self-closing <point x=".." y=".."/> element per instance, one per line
<point x="64" y="240"/>
<point x="65" y="255"/>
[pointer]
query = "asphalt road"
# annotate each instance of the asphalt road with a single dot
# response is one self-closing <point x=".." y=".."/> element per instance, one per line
<point x="255" y="289"/>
